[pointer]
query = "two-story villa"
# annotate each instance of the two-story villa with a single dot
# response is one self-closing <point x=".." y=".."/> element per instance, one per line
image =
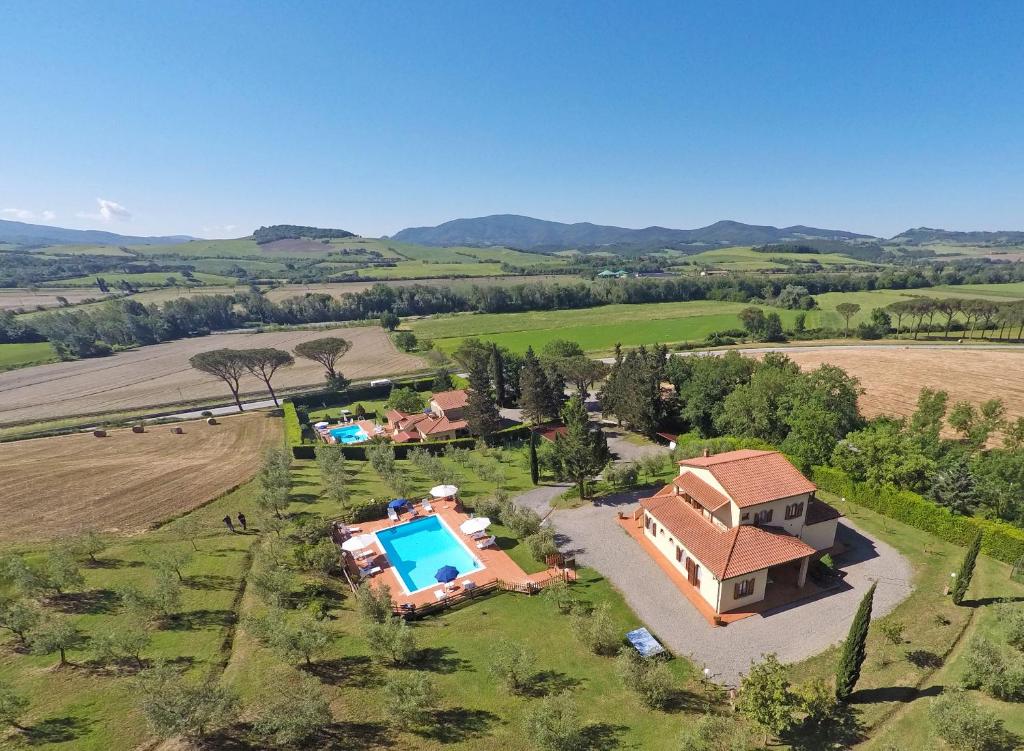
<point x="442" y="422"/>
<point x="737" y="523"/>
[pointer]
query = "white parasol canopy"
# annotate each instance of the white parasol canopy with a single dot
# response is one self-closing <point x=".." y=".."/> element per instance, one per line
<point x="359" y="542"/>
<point x="474" y="525"/>
<point x="321" y="424"/>
<point x="443" y="491"/>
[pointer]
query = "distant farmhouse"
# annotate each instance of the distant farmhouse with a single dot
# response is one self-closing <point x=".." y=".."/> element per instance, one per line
<point x="738" y="525"/>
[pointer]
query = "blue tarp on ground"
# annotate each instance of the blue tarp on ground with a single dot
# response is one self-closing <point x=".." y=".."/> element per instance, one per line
<point x="645" y="643"/>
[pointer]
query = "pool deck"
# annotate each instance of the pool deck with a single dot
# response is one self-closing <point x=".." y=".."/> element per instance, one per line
<point x="497" y="565"/>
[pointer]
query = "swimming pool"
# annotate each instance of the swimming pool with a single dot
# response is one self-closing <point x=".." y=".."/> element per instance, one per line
<point x="417" y="549"/>
<point x="349" y="434"/>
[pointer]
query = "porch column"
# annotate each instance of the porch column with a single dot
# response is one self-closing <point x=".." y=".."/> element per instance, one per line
<point x="801" y="578"/>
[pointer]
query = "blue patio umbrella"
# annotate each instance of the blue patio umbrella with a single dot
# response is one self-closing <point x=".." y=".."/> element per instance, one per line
<point x="446" y="574"/>
<point x="398" y="503"/>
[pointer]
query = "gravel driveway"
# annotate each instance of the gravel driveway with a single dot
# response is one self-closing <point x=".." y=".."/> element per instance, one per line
<point x="793" y="633"/>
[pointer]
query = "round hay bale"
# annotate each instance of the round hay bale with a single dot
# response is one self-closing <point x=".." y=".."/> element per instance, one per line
<point x="177" y="430"/>
<point x="100" y="433"/>
<point x="138" y="429"/>
<point x="211" y="420"/>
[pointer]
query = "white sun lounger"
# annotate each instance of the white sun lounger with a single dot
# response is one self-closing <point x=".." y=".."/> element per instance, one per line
<point x="392" y="514"/>
<point x="486" y="543"/>
<point x="440" y="594"/>
<point x="364" y="572"/>
<point x="426" y="506"/>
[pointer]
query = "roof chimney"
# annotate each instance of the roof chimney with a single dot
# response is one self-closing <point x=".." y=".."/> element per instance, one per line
<point x="706" y="453"/>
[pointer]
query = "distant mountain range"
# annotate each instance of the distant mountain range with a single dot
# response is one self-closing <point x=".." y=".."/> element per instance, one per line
<point x="41" y="234"/>
<point x="924" y="235"/>
<point x="527" y="233"/>
<point x="539" y="235"/>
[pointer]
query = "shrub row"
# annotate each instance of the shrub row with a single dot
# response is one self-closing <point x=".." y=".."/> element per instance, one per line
<point x="998" y="539"/>
<point x="292" y="426"/>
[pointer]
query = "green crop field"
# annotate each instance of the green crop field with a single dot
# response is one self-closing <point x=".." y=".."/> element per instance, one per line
<point x="419" y="269"/>
<point x="23" y="354"/>
<point x="145" y="279"/>
<point x="747" y="259"/>
<point x="81" y="250"/>
<point x="879" y="298"/>
<point x="596" y="329"/>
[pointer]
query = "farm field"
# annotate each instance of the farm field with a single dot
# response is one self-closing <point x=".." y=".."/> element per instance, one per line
<point x="746" y="259"/>
<point x="81" y="250"/>
<point x="160" y="374"/>
<point x="20" y="355"/>
<point x="596" y="329"/>
<point x="127" y="481"/>
<point x="826" y="315"/>
<point x="892" y="376"/>
<point x="148" y="278"/>
<point x="22" y="299"/>
<point x="420" y="269"/>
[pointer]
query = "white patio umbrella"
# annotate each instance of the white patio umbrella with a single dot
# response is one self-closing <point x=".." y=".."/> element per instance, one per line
<point x="443" y="491"/>
<point x="321" y="424"/>
<point x="359" y="542"/>
<point x="474" y="525"/>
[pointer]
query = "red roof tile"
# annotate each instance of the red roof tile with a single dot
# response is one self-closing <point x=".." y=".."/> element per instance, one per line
<point x="446" y="400"/>
<point x="752" y="477"/>
<point x="706" y="495"/>
<point x="726" y="553"/>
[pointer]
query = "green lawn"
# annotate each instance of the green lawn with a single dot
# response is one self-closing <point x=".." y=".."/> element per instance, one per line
<point x="890" y="681"/>
<point x="596" y="329"/>
<point x="21" y="355"/>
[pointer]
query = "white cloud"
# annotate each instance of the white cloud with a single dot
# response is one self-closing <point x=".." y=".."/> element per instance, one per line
<point x="108" y="211"/>
<point x="27" y="215"/>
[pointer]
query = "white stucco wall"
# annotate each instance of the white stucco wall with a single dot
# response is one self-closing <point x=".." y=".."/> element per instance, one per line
<point x="821" y="535"/>
<point x="666" y="545"/>
<point x="778" y="508"/>
<point x="728" y="587"/>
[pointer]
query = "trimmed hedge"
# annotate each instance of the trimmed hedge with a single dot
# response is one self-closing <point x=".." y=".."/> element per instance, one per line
<point x="999" y="540"/>
<point x="292" y="426"/>
<point x="357" y="452"/>
<point x="325" y="399"/>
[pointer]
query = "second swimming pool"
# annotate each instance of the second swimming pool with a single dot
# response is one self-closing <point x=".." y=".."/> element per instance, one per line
<point x="417" y="549"/>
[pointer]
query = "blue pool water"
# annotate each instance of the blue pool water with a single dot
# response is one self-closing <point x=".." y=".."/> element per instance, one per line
<point x="349" y="434"/>
<point x="419" y="548"/>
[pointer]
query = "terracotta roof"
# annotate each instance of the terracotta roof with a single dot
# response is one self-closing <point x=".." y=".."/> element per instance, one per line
<point x="406" y="437"/>
<point x="706" y="495"/>
<point x="752" y="477"/>
<point x="819" y="511"/>
<point x="393" y="415"/>
<point x="451" y="399"/>
<point x="726" y="553"/>
<point x="440" y="425"/>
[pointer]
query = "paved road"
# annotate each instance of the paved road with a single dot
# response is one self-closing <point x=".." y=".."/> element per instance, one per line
<point x="595" y="538"/>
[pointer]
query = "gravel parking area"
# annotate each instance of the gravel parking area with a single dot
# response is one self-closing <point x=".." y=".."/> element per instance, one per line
<point x="794" y="632"/>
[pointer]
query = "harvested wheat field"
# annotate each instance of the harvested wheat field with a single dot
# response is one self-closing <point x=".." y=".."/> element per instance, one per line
<point x="126" y="481"/>
<point x="160" y="374"/>
<point x="893" y="376"/>
<point x="24" y="299"/>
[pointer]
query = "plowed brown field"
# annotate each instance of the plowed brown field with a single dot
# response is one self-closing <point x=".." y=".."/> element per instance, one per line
<point x="893" y="376"/>
<point x="126" y="481"/>
<point x="160" y="374"/>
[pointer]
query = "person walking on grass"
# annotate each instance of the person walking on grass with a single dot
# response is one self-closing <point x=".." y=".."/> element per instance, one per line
<point x="241" y="521"/>
<point x="228" y="523"/>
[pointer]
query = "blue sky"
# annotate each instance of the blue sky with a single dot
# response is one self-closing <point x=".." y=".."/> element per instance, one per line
<point x="212" y="118"/>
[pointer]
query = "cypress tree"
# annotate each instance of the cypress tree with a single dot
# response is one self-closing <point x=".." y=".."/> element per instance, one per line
<point x="481" y="410"/>
<point x="963" y="577"/>
<point x="534" y="467"/>
<point x="854" y="648"/>
<point x="498" y="374"/>
<point x="534" y="390"/>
